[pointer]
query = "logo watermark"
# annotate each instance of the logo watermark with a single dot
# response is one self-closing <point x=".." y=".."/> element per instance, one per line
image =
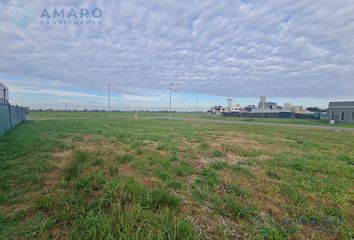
<point x="22" y="16"/>
<point x="71" y="16"/>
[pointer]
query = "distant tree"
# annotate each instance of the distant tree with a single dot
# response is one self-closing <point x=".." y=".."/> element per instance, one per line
<point x="314" y="109"/>
<point x="248" y="109"/>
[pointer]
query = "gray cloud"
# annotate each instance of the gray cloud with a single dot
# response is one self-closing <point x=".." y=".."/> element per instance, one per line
<point x="232" y="48"/>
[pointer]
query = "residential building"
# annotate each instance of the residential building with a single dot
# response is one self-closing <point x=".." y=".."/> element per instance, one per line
<point x="341" y="112"/>
<point x="236" y="108"/>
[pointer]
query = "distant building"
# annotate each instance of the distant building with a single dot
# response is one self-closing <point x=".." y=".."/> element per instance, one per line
<point x="236" y="108"/>
<point x="216" y="110"/>
<point x="272" y="110"/>
<point x="220" y="109"/>
<point x="4" y="94"/>
<point x="263" y="104"/>
<point x="294" y="109"/>
<point x="249" y="108"/>
<point x="342" y="112"/>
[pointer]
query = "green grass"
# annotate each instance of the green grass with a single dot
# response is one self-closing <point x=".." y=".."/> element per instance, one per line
<point x="86" y="177"/>
<point x="166" y="115"/>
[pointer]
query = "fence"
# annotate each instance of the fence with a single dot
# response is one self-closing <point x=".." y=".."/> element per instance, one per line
<point x="10" y="116"/>
<point x="272" y="115"/>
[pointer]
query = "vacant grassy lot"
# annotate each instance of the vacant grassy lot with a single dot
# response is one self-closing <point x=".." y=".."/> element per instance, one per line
<point x="65" y="115"/>
<point x="160" y="179"/>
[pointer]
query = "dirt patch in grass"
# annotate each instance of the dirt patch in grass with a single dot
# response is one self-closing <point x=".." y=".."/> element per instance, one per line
<point x="61" y="232"/>
<point x="229" y="158"/>
<point x="107" y="150"/>
<point x="229" y="139"/>
<point x="203" y="218"/>
<point x="52" y="178"/>
<point x="262" y="193"/>
<point x="60" y="161"/>
<point x="127" y="170"/>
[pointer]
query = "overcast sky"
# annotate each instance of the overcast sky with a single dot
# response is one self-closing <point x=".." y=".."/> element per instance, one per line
<point x="300" y="51"/>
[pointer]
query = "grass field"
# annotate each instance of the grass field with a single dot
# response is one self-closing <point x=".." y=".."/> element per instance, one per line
<point x="64" y="115"/>
<point x="159" y="179"/>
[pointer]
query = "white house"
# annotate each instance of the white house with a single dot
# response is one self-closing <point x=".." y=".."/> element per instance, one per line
<point x="294" y="109"/>
<point x="4" y="94"/>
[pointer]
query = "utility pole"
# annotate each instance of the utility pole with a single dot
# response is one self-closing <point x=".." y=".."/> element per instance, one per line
<point x="109" y="101"/>
<point x="196" y="105"/>
<point x="171" y="84"/>
<point x="229" y="103"/>
<point x="5" y="96"/>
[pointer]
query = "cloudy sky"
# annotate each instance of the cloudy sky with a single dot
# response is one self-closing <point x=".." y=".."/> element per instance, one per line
<point x="291" y="51"/>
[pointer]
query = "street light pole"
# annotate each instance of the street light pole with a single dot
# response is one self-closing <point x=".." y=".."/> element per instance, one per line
<point x="171" y="84"/>
<point x="109" y="101"/>
<point x="4" y="95"/>
<point x="196" y="105"/>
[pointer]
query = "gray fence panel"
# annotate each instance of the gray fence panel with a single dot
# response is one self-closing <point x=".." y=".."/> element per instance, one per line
<point x="4" y="119"/>
<point x="13" y="116"/>
<point x="10" y="116"/>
